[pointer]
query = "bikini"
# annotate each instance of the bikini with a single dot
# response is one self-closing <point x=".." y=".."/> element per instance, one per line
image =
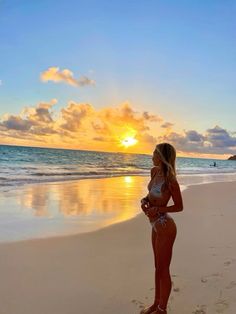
<point x="155" y="191"/>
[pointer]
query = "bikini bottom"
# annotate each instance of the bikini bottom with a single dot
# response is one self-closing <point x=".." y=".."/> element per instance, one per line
<point x="161" y="220"/>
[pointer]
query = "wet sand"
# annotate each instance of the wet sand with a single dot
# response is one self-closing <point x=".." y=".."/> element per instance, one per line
<point x="111" y="270"/>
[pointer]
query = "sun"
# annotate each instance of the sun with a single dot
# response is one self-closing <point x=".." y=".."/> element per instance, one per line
<point x="128" y="141"/>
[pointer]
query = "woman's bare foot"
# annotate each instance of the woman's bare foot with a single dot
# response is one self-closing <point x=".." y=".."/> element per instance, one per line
<point x="149" y="310"/>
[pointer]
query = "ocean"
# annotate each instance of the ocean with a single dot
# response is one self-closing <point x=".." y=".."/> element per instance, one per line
<point x="21" y="165"/>
<point x="47" y="192"/>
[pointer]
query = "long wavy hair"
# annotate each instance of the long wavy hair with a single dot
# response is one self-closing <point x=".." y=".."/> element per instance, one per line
<point x="167" y="154"/>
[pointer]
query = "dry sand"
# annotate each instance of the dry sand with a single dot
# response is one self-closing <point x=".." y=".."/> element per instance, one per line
<point x="112" y="270"/>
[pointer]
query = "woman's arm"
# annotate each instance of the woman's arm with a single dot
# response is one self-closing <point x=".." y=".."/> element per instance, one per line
<point x="177" y="199"/>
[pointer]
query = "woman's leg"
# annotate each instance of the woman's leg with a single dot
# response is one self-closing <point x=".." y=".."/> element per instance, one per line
<point x="152" y="308"/>
<point x="163" y="251"/>
<point x="157" y="279"/>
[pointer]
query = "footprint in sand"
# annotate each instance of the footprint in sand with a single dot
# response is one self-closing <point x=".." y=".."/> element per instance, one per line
<point x="216" y="275"/>
<point x="231" y="285"/>
<point x="203" y="279"/>
<point x="227" y="263"/>
<point x="221" y="305"/>
<point x="175" y="289"/>
<point x="138" y="303"/>
<point x="201" y="309"/>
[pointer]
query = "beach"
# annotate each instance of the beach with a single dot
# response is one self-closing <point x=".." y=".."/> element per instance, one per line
<point x="102" y="105"/>
<point x="111" y="270"/>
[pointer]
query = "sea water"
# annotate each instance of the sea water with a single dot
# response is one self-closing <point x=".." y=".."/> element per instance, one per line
<point x="43" y="191"/>
<point x="20" y="165"/>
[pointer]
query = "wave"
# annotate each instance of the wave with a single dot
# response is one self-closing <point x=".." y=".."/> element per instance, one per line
<point x="55" y="177"/>
<point x="46" y="174"/>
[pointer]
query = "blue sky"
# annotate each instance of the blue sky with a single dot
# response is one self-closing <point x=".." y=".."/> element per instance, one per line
<point x="172" y="58"/>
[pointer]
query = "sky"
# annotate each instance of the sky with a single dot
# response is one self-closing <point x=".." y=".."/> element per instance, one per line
<point x="119" y="75"/>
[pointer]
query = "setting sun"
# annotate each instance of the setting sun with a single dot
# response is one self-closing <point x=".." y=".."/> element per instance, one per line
<point x="129" y="141"/>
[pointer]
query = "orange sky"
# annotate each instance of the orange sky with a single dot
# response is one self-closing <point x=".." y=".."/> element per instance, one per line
<point x="119" y="128"/>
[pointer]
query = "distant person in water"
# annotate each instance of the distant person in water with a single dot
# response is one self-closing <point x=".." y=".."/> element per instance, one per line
<point x="214" y="164"/>
<point x="162" y="186"/>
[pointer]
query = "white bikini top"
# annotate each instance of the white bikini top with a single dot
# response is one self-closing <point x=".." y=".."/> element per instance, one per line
<point x="156" y="189"/>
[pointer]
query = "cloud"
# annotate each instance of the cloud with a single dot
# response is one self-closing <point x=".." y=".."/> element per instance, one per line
<point x="16" y="123"/>
<point x="151" y="117"/>
<point x="219" y="138"/>
<point x="37" y="121"/>
<point x="82" y="126"/>
<point x="73" y="115"/>
<point x="124" y="114"/>
<point x="99" y="138"/>
<point x="167" y="125"/>
<point x="193" y="136"/>
<point x="149" y="139"/>
<point x="64" y="76"/>
<point x="215" y="141"/>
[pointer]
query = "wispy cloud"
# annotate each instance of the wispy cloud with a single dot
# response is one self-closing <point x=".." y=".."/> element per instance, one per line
<point x="64" y="76"/>
<point x="167" y="125"/>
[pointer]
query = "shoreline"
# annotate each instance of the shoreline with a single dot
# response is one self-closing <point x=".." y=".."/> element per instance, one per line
<point x="222" y="177"/>
<point x="61" y="236"/>
<point x="58" y="209"/>
<point x="114" y="266"/>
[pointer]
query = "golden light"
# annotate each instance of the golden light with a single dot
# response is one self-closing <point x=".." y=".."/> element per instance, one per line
<point x="129" y="141"/>
<point x="128" y="179"/>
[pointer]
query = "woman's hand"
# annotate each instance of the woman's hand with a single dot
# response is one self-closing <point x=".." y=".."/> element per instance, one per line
<point x="152" y="212"/>
<point x="145" y="205"/>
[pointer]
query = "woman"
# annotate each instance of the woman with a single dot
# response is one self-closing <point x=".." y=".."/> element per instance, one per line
<point x="162" y="186"/>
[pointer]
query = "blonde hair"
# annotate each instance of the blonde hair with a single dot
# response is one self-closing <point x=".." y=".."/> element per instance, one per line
<point x="167" y="154"/>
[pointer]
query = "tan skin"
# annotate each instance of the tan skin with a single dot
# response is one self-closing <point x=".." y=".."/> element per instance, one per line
<point x="164" y="236"/>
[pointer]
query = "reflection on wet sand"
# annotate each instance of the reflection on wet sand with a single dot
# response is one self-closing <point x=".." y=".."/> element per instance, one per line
<point x="35" y="198"/>
<point x="116" y="197"/>
<point x="89" y="203"/>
